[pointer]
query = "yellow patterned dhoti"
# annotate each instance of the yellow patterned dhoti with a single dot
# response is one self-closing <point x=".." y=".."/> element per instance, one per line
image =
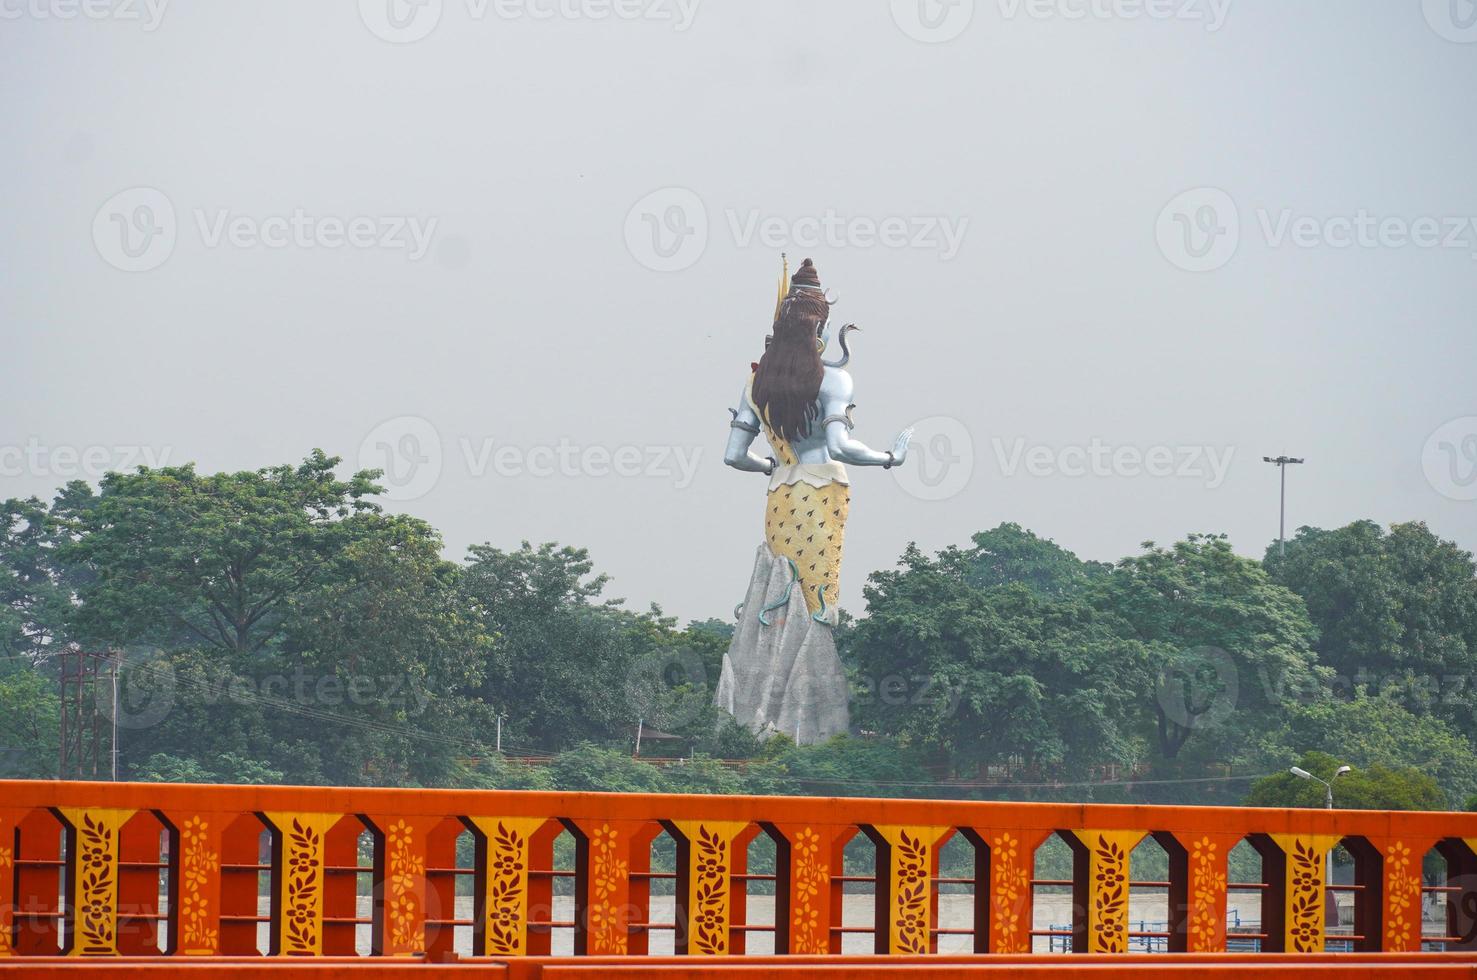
<point x="805" y="521"/>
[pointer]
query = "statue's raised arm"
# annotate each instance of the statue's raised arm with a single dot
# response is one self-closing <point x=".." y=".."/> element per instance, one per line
<point x="836" y="403"/>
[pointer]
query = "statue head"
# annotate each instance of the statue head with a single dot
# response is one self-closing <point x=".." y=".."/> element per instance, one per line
<point x="788" y="380"/>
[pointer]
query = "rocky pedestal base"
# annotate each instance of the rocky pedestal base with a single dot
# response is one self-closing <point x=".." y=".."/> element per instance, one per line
<point x="781" y="672"/>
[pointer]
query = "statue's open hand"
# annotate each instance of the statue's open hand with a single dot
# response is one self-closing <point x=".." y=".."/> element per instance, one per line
<point x="900" y="446"/>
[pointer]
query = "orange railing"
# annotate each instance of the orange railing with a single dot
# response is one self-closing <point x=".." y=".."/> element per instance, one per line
<point x="131" y="869"/>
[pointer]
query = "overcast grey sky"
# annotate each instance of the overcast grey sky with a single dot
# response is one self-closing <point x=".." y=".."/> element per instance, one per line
<point x="1105" y="253"/>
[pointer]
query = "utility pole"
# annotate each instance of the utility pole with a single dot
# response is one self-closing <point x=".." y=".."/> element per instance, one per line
<point x="1282" y="463"/>
<point x="499" y="734"/>
<point x="81" y="699"/>
<point x="117" y="659"/>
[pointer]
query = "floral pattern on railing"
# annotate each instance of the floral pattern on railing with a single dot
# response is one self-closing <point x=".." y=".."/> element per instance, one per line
<point x="1305" y="899"/>
<point x="198" y="866"/>
<point x="303" y="897"/>
<point x="811" y="876"/>
<point x="710" y="894"/>
<point x="1207" y="897"/>
<point x="1010" y="886"/>
<point x="507" y="906"/>
<point x="911" y="894"/>
<point x="608" y="873"/>
<point x="1109" y="898"/>
<point x="7" y="863"/>
<point x="1402" y="898"/>
<point x="96" y="883"/>
<point x="405" y="868"/>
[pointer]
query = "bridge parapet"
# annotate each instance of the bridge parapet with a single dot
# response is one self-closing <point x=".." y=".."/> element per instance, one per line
<point x="90" y="877"/>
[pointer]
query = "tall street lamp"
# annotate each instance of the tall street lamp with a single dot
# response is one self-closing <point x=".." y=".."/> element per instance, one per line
<point x="1282" y="462"/>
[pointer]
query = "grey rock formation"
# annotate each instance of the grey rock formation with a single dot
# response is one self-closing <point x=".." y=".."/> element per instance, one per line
<point x="783" y="677"/>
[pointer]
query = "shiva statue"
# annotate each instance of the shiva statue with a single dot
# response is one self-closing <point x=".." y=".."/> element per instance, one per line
<point x="781" y="672"/>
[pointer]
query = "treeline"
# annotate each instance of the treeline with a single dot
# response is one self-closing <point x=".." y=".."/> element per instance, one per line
<point x="277" y="626"/>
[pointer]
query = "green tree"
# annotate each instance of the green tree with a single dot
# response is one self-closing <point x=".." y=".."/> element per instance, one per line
<point x="1011" y="554"/>
<point x="215" y="561"/>
<point x="275" y="617"/>
<point x="1396" y="612"/>
<point x="35" y="597"/>
<point x="1230" y="648"/>
<point x="590" y="768"/>
<point x="568" y="666"/>
<point x="29" y="715"/>
<point x="990" y="675"/>
<point x="395" y="655"/>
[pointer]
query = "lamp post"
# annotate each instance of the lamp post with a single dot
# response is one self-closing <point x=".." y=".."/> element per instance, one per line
<point x="1327" y="784"/>
<point x="1282" y="462"/>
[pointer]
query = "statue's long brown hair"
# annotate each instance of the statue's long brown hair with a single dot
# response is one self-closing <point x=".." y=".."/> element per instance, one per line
<point x="788" y="380"/>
